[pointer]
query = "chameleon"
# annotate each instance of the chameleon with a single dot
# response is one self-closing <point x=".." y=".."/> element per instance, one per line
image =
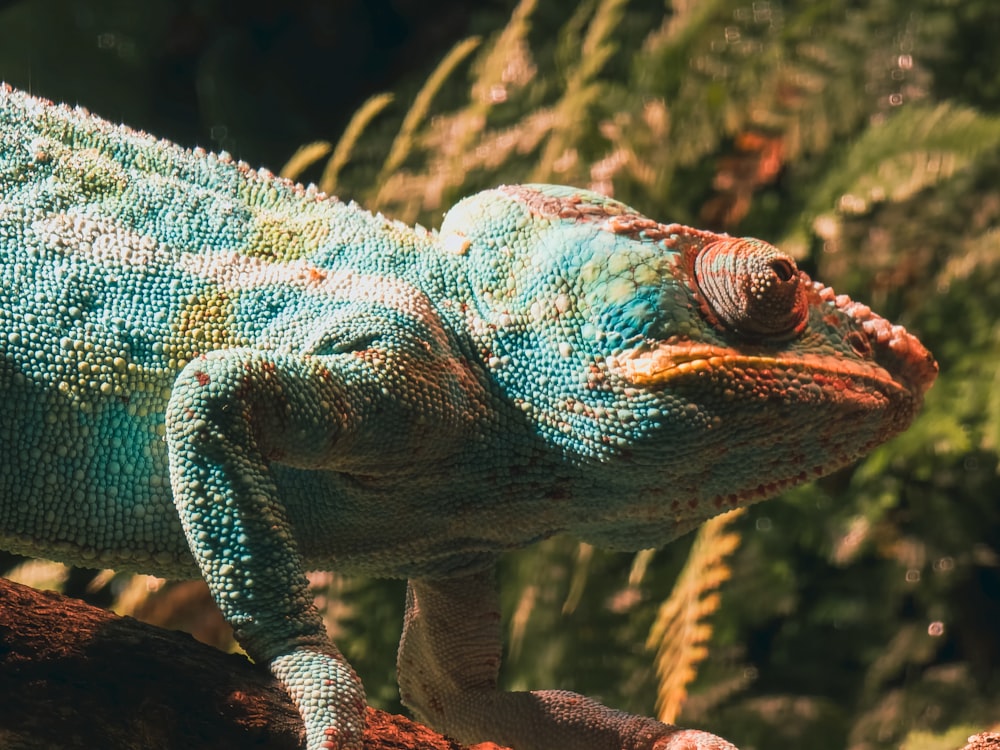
<point x="211" y="371"/>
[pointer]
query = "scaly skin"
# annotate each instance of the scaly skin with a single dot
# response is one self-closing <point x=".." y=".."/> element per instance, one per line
<point x="209" y="371"/>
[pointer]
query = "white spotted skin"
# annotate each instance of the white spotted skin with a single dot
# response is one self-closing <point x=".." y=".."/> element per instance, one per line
<point x="99" y="321"/>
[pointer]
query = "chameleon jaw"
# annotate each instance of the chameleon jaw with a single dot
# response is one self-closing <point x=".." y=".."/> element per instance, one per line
<point x="824" y="412"/>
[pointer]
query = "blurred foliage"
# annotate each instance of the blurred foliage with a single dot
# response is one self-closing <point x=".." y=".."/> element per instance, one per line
<point x="680" y="630"/>
<point x="862" y="610"/>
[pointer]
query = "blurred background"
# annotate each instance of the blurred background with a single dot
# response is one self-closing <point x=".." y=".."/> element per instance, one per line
<point x="860" y="612"/>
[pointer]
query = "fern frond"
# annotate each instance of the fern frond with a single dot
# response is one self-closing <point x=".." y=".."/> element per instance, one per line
<point x="404" y="140"/>
<point x="578" y="581"/>
<point x="580" y="92"/>
<point x="680" y="631"/>
<point x="136" y="593"/>
<point x="918" y="147"/>
<point x="359" y="121"/>
<point x="979" y="254"/>
<point x="507" y="61"/>
<point x="519" y="620"/>
<point x="458" y="144"/>
<point x="687" y="24"/>
<point x="640" y="565"/>
<point x="39" y="574"/>
<point x="953" y="738"/>
<point x="303" y="158"/>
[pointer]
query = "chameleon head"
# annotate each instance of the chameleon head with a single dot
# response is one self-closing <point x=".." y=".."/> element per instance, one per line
<point x="710" y="368"/>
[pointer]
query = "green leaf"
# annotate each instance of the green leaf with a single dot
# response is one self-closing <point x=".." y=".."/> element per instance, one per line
<point x="918" y="147"/>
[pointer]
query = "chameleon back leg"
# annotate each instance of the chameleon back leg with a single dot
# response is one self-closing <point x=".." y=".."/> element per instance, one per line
<point x="449" y="660"/>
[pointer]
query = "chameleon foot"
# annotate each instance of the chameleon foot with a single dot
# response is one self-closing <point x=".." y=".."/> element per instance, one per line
<point x="692" y="739"/>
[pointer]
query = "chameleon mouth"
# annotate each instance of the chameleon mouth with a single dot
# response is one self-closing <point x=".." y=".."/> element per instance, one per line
<point x="893" y="347"/>
<point x="815" y="412"/>
<point x="667" y="364"/>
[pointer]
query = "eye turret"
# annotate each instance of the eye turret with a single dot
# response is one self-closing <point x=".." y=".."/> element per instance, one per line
<point x="751" y="287"/>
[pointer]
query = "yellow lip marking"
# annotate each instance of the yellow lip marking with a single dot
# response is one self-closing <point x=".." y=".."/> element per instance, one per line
<point x="659" y="365"/>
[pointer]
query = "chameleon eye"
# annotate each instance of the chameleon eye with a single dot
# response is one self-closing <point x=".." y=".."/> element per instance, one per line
<point x="751" y="287"/>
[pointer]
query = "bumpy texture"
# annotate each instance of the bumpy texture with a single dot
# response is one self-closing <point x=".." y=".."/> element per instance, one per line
<point x="209" y="371"/>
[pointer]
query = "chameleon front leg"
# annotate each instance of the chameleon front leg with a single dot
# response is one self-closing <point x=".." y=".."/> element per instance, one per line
<point x="229" y="414"/>
<point x="449" y="659"/>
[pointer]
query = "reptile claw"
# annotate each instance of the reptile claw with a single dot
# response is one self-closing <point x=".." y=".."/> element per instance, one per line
<point x="692" y="739"/>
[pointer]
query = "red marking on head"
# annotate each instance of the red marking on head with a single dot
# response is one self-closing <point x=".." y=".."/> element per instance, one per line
<point x="616" y="217"/>
<point x="838" y="384"/>
<point x="892" y="346"/>
<point x="202" y="378"/>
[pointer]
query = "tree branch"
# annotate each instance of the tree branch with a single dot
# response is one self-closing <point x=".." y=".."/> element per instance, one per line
<point x="74" y="676"/>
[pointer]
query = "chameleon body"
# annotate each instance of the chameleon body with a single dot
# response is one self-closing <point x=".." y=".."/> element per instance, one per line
<point x="209" y="371"/>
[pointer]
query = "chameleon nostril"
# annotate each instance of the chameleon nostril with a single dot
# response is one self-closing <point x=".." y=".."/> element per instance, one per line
<point x="859" y="343"/>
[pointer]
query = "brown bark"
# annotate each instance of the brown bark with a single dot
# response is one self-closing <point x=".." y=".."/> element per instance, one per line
<point x="74" y="676"/>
